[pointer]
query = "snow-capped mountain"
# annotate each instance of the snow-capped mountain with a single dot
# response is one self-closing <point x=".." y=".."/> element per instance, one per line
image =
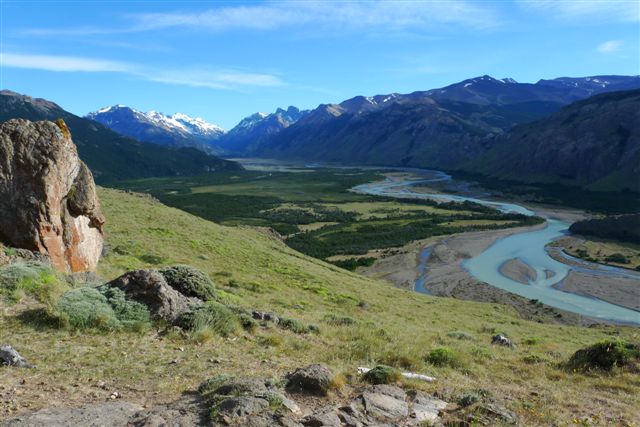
<point x="178" y="130"/>
<point x="258" y="126"/>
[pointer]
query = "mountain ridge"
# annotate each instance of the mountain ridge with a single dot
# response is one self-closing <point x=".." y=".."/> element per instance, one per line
<point x="109" y="155"/>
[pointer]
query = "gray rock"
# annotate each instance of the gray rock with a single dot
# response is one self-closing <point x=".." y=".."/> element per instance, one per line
<point x="351" y="416"/>
<point x="9" y="356"/>
<point x="425" y="408"/>
<point x="149" y="287"/>
<point x="489" y="413"/>
<point x="116" y="414"/>
<point x="265" y="316"/>
<point x="48" y="200"/>
<point x="326" y="417"/>
<point x="385" y="401"/>
<point x="243" y="387"/>
<point x="242" y="406"/>
<point x="502" y="340"/>
<point x="189" y="411"/>
<point x="311" y="379"/>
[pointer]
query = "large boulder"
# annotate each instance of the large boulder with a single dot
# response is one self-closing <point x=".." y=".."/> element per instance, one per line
<point x="149" y="287"/>
<point x="48" y="200"/>
<point x="314" y="379"/>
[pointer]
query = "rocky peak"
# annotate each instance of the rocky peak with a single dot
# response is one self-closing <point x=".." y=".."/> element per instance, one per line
<point x="48" y="200"/>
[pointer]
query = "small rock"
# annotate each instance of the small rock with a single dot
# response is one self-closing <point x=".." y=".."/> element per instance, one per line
<point x="426" y="408"/>
<point x="324" y="418"/>
<point x="311" y="379"/>
<point x="385" y="401"/>
<point x="490" y="412"/>
<point x="238" y="407"/>
<point x="9" y="356"/>
<point x="502" y="340"/>
<point x="265" y="316"/>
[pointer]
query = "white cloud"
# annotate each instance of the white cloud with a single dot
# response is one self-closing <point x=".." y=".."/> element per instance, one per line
<point x="381" y="15"/>
<point x="61" y="63"/>
<point x="609" y="46"/>
<point x="597" y="10"/>
<point x="214" y="79"/>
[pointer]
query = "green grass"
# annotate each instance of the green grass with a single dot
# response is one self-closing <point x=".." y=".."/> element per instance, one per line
<point x="290" y="202"/>
<point x="390" y="326"/>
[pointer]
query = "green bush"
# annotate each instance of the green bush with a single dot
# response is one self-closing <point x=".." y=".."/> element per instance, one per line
<point x="460" y="335"/>
<point x="86" y="308"/>
<point x="247" y="322"/>
<point x="382" y="374"/>
<point x="213" y="316"/>
<point x="190" y="281"/>
<point x="604" y="355"/>
<point x="533" y="359"/>
<point x="444" y="356"/>
<point x="332" y="319"/>
<point x="212" y="384"/>
<point x="293" y="325"/>
<point x="33" y="278"/>
<point x="130" y="313"/>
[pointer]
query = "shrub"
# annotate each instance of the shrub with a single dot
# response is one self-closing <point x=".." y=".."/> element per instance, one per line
<point x="444" y="356"/>
<point x="293" y="325"/>
<point x="190" y="281"/>
<point x="481" y="353"/>
<point x="85" y="308"/>
<point x="247" y="322"/>
<point x="130" y="313"/>
<point x="460" y="335"/>
<point x="531" y="341"/>
<point x="604" y="355"/>
<point x="332" y="319"/>
<point x="213" y="316"/>
<point x="533" y="359"/>
<point x="212" y="384"/>
<point x="382" y="374"/>
<point x="32" y="278"/>
<point x="468" y="399"/>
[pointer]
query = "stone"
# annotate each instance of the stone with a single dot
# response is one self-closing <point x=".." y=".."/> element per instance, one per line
<point x="489" y="413"/>
<point x="187" y="411"/>
<point x="502" y="340"/>
<point x="242" y="386"/>
<point x="265" y="316"/>
<point x="48" y="200"/>
<point x="242" y="406"/>
<point x="149" y="287"/>
<point x="385" y="401"/>
<point x="326" y="417"/>
<point x="9" y="356"/>
<point x="105" y="414"/>
<point x="425" y="408"/>
<point x="314" y="379"/>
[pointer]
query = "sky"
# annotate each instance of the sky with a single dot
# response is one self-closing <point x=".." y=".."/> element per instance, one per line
<point x="224" y="60"/>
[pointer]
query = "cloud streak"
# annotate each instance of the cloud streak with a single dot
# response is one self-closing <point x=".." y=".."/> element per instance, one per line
<point x="227" y="79"/>
<point x="402" y="15"/>
<point x="575" y="10"/>
<point x="610" y="46"/>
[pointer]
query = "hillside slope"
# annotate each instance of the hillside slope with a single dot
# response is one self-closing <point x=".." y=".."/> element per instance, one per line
<point x="253" y="269"/>
<point x="109" y="155"/>
<point x="593" y="143"/>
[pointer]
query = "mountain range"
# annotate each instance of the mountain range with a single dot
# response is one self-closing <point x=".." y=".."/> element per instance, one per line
<point x="455" y="127"/>
<point x="177" y="130"/>
<point x="109" y="155"/>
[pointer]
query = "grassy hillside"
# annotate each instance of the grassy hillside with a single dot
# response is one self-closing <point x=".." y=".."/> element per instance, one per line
<point x="256" y="270"/>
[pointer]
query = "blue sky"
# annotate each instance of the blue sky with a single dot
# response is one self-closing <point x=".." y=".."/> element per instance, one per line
<point x="225" y="60"/>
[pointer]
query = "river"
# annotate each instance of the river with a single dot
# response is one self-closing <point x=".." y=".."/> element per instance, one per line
<point x="528" y="246"/>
